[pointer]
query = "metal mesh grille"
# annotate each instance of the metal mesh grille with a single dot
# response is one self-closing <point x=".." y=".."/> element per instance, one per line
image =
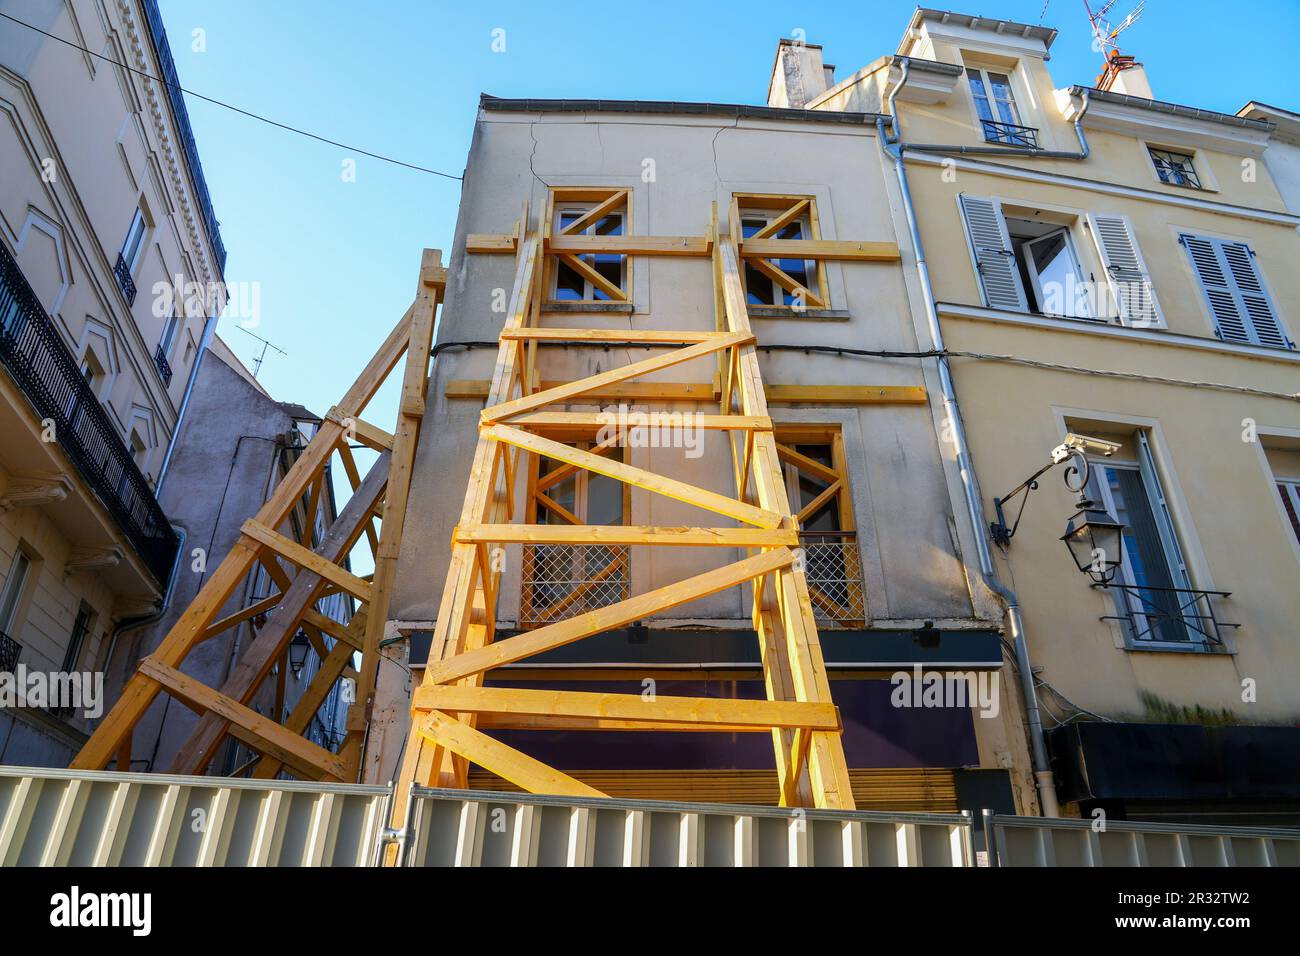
<point x="833" y="570"/>
<point x="9" y="651"/>
<point x="563" y="580"/>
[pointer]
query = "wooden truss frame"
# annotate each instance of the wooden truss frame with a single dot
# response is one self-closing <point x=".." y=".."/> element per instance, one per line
<point x="516" y="422"/>
<point x="304" y="576"/>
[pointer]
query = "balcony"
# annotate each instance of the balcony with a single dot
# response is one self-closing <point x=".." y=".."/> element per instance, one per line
<point x="1169" y="616"/>
<point x="1009" y="134"/>
<point x="124" y="281"/>
<point x="563" y="580"/>
<point x="833" y="570"/>
<point x="164" y="367"/>
<point x="41" y="366"/>
<point x="9" y="651"/>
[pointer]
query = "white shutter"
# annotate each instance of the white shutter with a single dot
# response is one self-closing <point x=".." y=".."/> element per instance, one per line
<point x="1130" y="284"/>
<point x="995" y="262"/>
<point x="1234" y="290"/>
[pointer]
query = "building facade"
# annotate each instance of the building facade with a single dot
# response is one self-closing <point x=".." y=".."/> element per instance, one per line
<point x="886" y="544"/>
<point x="1111" y="265"/>
<point x="104" y="215"/>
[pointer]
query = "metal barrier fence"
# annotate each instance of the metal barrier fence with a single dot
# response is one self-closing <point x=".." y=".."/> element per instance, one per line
<point x="1038" y="841"/>
<point x="84" y="818"/>
<point x="478" y="828"/>
<point x="100" y="818"/>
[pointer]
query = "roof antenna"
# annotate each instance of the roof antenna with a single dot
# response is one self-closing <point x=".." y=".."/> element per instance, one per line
<point x="1105" y="35"/>
<point x="257" y="362"/>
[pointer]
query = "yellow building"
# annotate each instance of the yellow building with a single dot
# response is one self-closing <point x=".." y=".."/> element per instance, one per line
<point x="1102" y="263"/>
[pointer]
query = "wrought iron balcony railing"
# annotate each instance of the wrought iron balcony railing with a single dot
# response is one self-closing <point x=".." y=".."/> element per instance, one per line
<point x="833" y="570"/>
<point x="1154" y="615"/>
<point x="42" y="366"/>
<point x="560" y="581"/>
<point x="1009" y="134"/>
<point x="164" y="367"/>
<point x="124" y="281"/>
<point x="9" y="651"/>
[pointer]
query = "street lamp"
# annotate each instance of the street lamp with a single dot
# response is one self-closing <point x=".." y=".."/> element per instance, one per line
<point x="298" y="652"/>
<point x="1093" y="537"/>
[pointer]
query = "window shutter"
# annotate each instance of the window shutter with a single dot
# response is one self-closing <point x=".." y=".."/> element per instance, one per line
<point x="1234" y="290"/>
<point x="1126" y="271"/>
<point x="1160" y="506"/>
<point x="994" y="259"/>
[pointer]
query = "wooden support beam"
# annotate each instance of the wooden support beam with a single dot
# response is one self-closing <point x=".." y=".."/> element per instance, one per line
<point x="262" y="733"/>
<point x="819" y="249"/>
<point x="506" y="762"/>
<point x="617" y="199"/>
<point x="788" y="282"/>
<point x="763" y="714"/>
<point x="602" y="336"/>
<point x="570" y="390"/>
<point x="597" y="279"/>
<point x="647" y="480"/>
<point x="629" y="534"/>
<point x="603" y="619"/>
<point x="265" y="605"/>
<point x="572" y="422"/>
<point x="704" y="392"/>
<point x="305" y="558"/>
<point x="260" y="655"/>
<point x="688" y="246"/>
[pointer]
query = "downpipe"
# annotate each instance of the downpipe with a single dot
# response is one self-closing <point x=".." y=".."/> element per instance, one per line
<point x="892" y="145"/>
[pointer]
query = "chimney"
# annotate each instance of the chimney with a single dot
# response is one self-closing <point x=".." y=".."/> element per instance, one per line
<point x="798" y="76"/>
<point x="1124" y="74"/>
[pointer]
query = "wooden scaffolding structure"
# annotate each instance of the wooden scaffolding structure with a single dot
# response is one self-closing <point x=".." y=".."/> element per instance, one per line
<point x="452" y="707"/>
<point x="304" y="576"/>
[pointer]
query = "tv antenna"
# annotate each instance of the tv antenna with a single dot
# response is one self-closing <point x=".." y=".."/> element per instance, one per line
<point x="1105" y="32"/>
<point x="1105" y="39"/>
<point x="257" y="362"/>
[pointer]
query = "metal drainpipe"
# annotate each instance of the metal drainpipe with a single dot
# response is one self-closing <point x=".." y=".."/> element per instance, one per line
<point x="890" y="142"/>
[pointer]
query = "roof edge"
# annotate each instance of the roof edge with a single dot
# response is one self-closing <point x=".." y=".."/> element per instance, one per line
<point x="673" y="107"/>
<point x="1174" y="109"/>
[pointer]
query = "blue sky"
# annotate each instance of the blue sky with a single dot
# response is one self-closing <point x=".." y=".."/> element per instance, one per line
<point x="337" y="261"/>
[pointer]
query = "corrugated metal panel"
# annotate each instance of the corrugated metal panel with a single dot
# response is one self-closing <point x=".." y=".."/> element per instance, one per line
<point x="911" y="790"/>
<point x="86" y="818"/>
<point x="479" y="828"/>
<point x="1034" y="841"/>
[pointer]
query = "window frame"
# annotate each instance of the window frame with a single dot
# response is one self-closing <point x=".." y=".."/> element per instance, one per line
<point x="1198" y="182"/>
<point x="589" y="291"/>
<point x="582" y="199"/>
<point x="1289" y="490"/>
<point x="14" y="591"/>
<point x="769" y="206"/>
<point x="138" y="218"/>
<point x="1036" y="279"/>
<point x="1176" y="565"/>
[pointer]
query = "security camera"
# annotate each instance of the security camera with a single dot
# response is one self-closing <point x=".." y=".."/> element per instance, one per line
<point x="1074" y="444"/>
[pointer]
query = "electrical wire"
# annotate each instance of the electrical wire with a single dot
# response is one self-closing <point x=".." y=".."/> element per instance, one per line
<point x="233" y="108"/>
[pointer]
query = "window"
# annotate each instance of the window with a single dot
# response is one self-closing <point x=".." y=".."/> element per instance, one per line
<point x="1049" y="267"/>
<point x="1234" y="290"/>
<point x="1176" y="169"/>
<point x="559" y="581"/>
<point x="779" y="281"/>
<point x="1028" y="260"/>
<point x="817" y="481"/>
<point x="134" y="242"/>
<point x="14" y="586"/>
<point x="77" y="639"/>
<point x="1289" y="489"/>
<point x="761" y="288"/>
<point x="995" y="105"/>
<point x="169" y="335"/>
<point x="573" y="285"/>
<point x="1153" y="597"/>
